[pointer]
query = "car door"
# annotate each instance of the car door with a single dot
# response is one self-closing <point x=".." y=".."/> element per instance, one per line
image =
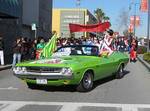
<point x="105" y="67"/>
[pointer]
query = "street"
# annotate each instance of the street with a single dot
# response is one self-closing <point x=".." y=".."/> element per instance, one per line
<point x="109" y="94"/>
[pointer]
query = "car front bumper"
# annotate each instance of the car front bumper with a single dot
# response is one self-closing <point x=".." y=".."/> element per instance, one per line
<point x="34" y="75"/>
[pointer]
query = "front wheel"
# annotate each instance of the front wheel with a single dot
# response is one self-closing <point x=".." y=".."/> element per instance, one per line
<point x="86" y="83"/>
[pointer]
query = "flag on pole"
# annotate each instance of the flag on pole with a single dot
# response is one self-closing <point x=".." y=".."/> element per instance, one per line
<point x="144" y="5"/>
<point x="49" y="48"/>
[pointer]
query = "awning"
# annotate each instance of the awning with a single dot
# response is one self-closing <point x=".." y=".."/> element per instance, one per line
<point x="10" y="8"/>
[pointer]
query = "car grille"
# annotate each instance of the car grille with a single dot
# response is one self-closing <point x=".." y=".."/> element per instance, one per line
<point x="44" y="69"/>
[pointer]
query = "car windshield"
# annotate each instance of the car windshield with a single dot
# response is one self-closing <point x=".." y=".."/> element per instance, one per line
<point x="77" y="50"/>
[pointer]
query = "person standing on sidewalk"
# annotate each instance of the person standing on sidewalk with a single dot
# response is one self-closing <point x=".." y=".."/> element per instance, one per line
<point x="1" y="51"/>
<point x="16" y="51"/>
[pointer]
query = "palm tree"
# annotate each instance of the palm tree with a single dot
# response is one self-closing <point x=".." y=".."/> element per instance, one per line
<point x="106" y="18"/>
<point x="99" y="14"/>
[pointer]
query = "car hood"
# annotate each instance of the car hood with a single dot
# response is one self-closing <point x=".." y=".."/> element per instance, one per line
<point x="58" y="61"/>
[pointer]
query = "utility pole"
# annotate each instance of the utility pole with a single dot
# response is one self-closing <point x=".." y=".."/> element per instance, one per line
<point x="148" y="27"/>
<point x="134" y="19"/>
<point x="135" y="6"/>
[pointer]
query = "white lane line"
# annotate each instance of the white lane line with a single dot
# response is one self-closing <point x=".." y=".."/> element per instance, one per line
<point x="9" y="88"/>
<point x="70" y="108"/>
<point x="129" y="109"/>
<point x="13" y="107"/>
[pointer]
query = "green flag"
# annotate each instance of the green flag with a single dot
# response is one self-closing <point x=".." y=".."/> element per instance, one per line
<point x="49" y="48"/>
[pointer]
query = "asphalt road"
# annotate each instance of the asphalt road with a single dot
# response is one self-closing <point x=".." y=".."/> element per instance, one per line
<point x="131" y="93"/>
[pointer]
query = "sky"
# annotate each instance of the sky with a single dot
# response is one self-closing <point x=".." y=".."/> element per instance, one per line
<point x="112" y="8"/>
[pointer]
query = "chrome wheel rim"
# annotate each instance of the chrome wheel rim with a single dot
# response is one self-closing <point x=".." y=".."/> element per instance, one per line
<point x="121" y="71"/>
<point x="87" y="81"/>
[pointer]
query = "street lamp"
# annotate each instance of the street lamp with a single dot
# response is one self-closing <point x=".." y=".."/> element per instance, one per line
<point x="135" y="6"/>
<point x="148" y="27"/>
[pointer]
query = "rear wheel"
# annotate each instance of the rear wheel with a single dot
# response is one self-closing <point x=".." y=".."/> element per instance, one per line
<point x="87" y="83"/>
<point x="120" y="72"/>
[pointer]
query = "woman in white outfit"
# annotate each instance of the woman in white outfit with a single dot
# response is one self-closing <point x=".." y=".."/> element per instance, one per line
<point x="107" y="41"/>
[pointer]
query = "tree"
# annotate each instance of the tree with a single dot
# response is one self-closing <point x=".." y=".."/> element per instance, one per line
<point x="99" y="14"/>
<point x="106" y="18"/>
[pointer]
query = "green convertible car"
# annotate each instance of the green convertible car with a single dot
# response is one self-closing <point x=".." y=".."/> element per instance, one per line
<point x="78" y="65"/>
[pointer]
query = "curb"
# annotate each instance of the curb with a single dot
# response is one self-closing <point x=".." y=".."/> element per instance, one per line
<point x="147" y="65"/>
<point x="5" y="67"/>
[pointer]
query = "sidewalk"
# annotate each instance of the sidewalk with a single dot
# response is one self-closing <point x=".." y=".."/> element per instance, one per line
<point x="140" y="58"/>
<point x="5" y="67"/>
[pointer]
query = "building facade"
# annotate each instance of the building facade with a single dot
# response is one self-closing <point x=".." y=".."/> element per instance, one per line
<point x="38" y="12"/>
<point x="16" y="17"/>
<point x="62" y="17"/>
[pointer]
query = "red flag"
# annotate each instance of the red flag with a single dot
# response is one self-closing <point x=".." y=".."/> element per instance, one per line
<point x="137" y="21"/>
<point x="144" y="5"/>
<point x="130" y="29"/>
<point x="132" y="20"/>
<point x="101" y="27"/>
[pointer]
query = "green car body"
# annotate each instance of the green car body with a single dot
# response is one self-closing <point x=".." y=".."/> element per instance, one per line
<point x="53" y="69"/>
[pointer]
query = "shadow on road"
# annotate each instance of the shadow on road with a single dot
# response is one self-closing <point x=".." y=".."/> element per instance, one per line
<point x="108" y="79"/>
<point x="56" y="88"/>
<point x="73" y="88"/>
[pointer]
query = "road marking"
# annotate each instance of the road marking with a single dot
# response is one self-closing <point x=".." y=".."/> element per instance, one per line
<point x="129" y="109"/>
<point x="69" y="106"/>
<point x="13" y="107"/>
<point x="9" y="88"/>
<point x="3" y="106"/>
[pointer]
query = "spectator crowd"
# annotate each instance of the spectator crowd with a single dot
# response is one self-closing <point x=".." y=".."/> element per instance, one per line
<point x="27" y="49"/>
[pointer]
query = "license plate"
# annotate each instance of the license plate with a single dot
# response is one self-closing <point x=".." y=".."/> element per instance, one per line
<point x="41" y="81"/>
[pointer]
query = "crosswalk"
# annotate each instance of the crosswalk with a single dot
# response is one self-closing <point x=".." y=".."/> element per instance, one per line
<point x="69" y="106"/>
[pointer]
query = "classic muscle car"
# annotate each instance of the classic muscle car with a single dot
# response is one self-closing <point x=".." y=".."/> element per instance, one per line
<point x="78" y="65"/>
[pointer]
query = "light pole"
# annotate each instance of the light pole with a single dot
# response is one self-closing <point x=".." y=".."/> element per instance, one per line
<point x="134" y="24"/>
<point x="135" y="5"/>
<point x="148" y="27"/>
<point x="78" y="3"/>
<point x="134" y="18"/>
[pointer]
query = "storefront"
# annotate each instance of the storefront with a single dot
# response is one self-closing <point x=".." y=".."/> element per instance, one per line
<point x="10" y="23"/>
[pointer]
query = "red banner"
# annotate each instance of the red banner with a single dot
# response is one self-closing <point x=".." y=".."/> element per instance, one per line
<point x="101" y="27"/>
<point x="130" y="29"/>
<point x="144" y="5"/>
<point x="137" y="21"/>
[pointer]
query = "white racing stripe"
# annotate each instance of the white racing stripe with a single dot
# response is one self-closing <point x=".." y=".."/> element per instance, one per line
<point x="70" y="106"/>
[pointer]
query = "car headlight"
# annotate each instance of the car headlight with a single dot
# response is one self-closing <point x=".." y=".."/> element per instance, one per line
<point x="24" y="69"/>
<point x="17" y="69"/>
<point x="66" y="71"/>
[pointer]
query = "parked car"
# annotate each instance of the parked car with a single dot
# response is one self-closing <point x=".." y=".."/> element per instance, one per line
<point x="78" y="65"/>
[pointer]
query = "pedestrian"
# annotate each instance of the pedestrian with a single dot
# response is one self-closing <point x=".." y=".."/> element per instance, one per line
<point x="133" y="54"/>
<point x="121" y="45"/>
<point x="39" y="48"/>
<point x="16" y="51"/>
<point x="32" y="51"/>
<point x="1" y="50"/>
<point x="24" y="49"/>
